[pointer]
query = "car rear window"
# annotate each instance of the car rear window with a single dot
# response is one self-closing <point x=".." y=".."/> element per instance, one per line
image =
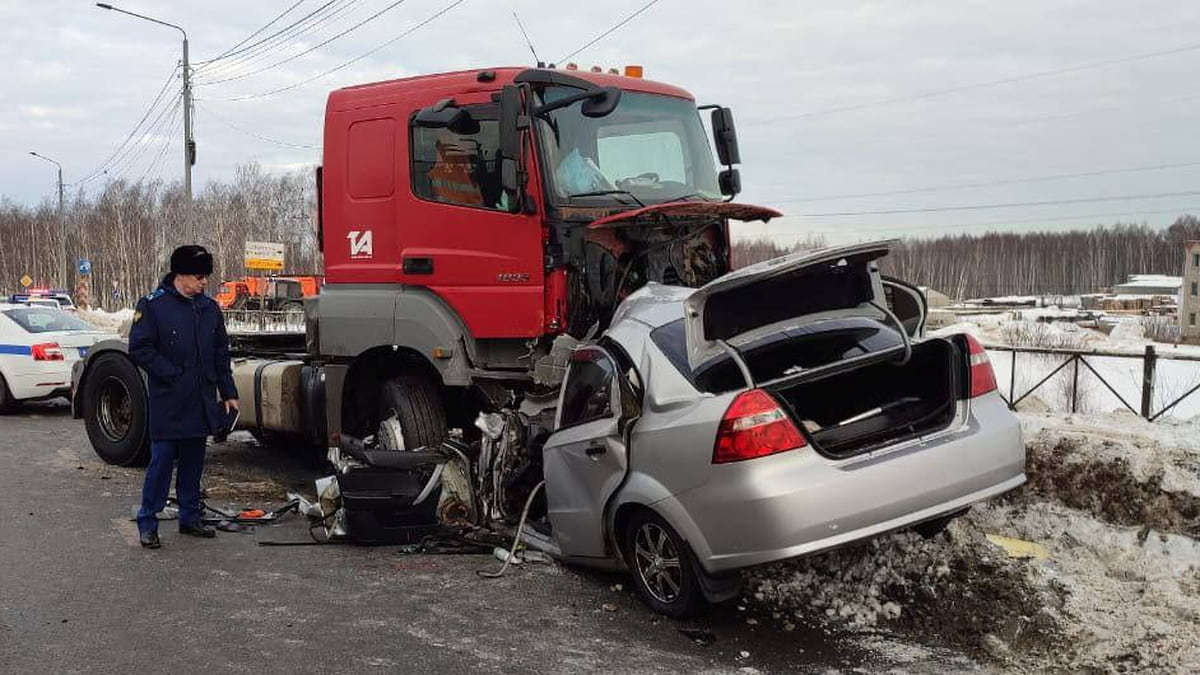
<point x="45" y="320"/>
<point x="783" y="353"/>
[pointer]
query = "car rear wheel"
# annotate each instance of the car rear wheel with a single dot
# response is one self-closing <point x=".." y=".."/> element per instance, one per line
<point x="662" y="565"/>
<point x="6" y="398"/>
<point x="115" y="411"/>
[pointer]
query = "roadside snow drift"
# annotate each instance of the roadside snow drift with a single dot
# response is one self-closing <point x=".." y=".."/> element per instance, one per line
<point x="1114" y="502"/>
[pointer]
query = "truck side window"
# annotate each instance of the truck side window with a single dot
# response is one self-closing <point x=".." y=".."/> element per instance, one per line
<point x="588" y="390"/>
<point x="456" y="168"/>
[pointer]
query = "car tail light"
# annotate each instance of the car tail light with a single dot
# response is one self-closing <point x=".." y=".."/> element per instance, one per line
<point x="754" y="426"/>
<point x="48" y="351"/>
<point x="983" y="379"/>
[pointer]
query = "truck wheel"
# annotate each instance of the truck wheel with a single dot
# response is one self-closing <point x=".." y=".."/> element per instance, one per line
<point x="6" y="397"/>
<point x="662" y="565"/>
<point x="418" y="405"/>
<point x="115" y="411"/>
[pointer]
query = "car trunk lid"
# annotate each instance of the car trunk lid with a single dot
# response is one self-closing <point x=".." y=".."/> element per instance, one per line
<point x="783" y="294"/>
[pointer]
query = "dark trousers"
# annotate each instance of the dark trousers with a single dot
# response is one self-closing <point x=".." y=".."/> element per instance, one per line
<point x="163" y="455"/>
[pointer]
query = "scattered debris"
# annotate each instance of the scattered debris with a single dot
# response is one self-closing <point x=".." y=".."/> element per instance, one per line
<point x="608" y="607"/>
<point x="1017" y="548"/>
<point x="700" y="636"/>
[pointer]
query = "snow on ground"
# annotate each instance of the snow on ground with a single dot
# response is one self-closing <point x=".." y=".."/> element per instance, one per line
<point x="107" y="321"/>
<point x="1114" y="501"/>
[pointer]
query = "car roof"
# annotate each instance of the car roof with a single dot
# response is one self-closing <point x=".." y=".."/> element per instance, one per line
<point x="654" y="304"/>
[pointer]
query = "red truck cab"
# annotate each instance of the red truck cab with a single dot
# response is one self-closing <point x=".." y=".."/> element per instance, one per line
<point x="468" y="218"/>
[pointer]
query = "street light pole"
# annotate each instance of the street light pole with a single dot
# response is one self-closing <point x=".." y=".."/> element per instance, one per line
<point x="62" y="216"/>
<point x="189" y="143"/>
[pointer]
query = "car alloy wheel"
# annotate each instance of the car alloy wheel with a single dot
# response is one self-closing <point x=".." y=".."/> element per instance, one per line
<point x="657" y="562"/>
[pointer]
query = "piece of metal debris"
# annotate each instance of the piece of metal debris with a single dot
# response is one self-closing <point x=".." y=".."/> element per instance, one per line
<point x="700" y="636"/>
<point x="1019" y="548"/>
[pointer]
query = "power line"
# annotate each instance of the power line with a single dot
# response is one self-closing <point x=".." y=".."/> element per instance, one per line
<point x="990" y="223"/>
<point x="352" y="61"/>
<point x="610" y="31"/>
<point x="989" y="83"/>
<point x="235" y="52"/>
<point x="284" y="42"/>
<point x="140" y="146"/>
<point x="260" y="137"/>
<point x="156" y="164"/>
<point x="1011" y="181"/>
<point x="99" y="170"/>
<point x="975" y="207"/>
<point x="356" y="26"/>
<point x="251" y="36"/>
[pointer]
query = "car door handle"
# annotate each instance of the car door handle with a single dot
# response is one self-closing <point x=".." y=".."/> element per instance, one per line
<point x="596" y="449"/>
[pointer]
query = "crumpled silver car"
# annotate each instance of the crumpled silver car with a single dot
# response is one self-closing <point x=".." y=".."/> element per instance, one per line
<point x="786" y="408"/>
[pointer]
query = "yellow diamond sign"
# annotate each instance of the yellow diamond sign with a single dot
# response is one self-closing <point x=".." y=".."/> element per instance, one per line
<point x="26" y="280"/>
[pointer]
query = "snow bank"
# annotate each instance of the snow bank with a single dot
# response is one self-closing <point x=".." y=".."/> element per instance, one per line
<point x="1115" y="502"/>
<point x="107" y="321"/>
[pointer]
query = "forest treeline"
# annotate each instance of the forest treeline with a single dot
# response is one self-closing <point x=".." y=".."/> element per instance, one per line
<point x="127" y="230"/>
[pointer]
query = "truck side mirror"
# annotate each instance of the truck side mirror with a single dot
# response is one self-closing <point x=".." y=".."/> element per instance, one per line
<point x="446" y="115"/>
<point x="602" y="106"/>
<point x="730" y="181"/>
<point x="725" y="137"/>
<point x="510" y="143"/>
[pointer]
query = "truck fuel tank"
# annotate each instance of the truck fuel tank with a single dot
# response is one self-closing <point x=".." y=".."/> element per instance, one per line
<point x="272" y="395"/>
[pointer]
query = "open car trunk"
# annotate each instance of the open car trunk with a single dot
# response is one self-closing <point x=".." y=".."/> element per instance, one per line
<point x="878" y="403"/>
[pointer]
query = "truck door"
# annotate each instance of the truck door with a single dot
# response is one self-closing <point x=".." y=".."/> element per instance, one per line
<point x="585" y="459"/>
<point x="462" y="239"/>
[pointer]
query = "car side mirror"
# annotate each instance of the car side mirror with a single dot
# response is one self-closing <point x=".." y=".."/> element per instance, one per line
<point x="725" y="137"/>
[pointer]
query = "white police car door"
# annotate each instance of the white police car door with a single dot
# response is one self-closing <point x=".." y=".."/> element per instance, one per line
<point x="585" y="459"/>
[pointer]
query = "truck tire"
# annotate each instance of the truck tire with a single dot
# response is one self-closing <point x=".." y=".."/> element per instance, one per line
<point x="418" y="405"/>
<point x="662" y="565"/>
<point x="116" y="411"/>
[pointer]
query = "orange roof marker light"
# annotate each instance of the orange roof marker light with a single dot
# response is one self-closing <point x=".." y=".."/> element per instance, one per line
<point x="633" y="71"/>
<point x="572" y="66"/>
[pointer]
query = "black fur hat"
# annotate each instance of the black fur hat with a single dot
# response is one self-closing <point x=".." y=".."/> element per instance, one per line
<point x="191" y="259"/>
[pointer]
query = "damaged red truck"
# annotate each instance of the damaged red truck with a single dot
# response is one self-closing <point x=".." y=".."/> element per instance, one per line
<point x="480" y="226"/>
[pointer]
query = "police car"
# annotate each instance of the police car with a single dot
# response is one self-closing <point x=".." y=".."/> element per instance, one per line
<point x="38" y="346"/>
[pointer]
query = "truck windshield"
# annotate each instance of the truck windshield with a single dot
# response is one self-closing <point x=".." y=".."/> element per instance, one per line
<point x="651" y="149"/>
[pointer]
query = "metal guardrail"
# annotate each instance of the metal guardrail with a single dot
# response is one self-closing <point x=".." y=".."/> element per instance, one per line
<point x="261" y="321"/>
<point x="1075" y="357"/>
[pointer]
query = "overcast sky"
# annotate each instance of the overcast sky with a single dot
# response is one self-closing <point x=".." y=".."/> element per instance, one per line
<point x="832" y="97"/>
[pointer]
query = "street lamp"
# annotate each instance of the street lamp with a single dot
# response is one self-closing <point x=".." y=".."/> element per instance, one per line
<point x="62" y="216"/>
<point x="60" y="183"/>
<point x="189" y="143"/>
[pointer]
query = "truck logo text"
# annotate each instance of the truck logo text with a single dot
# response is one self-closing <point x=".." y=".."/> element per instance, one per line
<point x="360" y="244"/>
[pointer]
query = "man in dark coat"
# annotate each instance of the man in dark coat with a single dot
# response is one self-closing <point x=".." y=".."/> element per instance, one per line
<point x="178" y="337"/>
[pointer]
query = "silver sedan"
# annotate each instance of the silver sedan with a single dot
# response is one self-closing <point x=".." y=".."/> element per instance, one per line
<point x="784" y="409"/>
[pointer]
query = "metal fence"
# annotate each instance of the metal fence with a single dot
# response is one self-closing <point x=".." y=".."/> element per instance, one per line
<point x="260" y="321"/>
<point x="1075" y="358"/>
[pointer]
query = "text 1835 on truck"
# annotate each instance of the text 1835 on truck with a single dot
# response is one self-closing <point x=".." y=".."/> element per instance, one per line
<point x="527" y="283"/>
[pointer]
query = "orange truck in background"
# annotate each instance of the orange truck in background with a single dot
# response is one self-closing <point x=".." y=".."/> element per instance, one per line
<point x="272" y="293"/>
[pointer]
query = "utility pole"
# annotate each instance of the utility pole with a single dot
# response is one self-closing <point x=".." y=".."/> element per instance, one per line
<point x="62" y="217"/>
<point x="189" y="143"/>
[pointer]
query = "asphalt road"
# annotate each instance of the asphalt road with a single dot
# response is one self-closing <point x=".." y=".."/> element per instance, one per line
<point x="78" y="594"/>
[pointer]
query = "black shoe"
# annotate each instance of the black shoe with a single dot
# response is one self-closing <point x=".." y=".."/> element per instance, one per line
<point x="150" y="540"/>
<point x="198" y="531"/>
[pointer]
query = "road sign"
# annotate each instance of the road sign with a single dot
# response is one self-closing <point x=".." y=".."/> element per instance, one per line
<point x="85" y="266"/>
<point x="26" y="280"/>
<point x="264" y="255"/>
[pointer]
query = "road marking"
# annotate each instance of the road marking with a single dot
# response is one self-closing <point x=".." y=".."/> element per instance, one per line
<point x="128" y="531"/>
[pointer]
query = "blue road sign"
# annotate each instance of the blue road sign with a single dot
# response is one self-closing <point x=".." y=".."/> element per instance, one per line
<point x="85" y="266"/>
